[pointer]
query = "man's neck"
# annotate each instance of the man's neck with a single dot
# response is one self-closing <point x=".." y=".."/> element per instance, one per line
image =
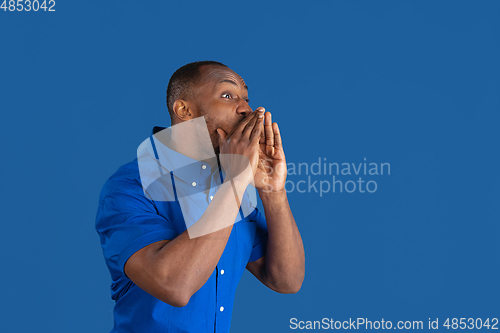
<point x="191" y="146"/>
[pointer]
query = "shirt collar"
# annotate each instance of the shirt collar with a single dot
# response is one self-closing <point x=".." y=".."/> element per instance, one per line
<point x="183" y="167"/>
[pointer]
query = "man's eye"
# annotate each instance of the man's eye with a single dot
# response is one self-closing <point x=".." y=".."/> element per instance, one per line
<point x="228" y="96"/>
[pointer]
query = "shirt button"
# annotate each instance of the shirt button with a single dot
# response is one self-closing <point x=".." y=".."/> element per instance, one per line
<point x="221" y="309"/>
<point x="203" y="166"/>
<point x="222" y="271"/>
<point x="193" y="183"/>
<point x="211" y="197"/>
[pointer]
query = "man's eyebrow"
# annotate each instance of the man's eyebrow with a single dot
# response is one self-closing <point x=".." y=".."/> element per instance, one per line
<point x="232" y="82"/>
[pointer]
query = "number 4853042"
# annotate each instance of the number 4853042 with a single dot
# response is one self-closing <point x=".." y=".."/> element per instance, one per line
<point x="28" y="5"/>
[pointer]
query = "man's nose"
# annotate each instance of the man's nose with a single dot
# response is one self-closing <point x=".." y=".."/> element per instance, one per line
<point x="243" y="108"/>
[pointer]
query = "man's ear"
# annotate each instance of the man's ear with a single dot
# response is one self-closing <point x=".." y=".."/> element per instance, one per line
<point x="183" y="110"/>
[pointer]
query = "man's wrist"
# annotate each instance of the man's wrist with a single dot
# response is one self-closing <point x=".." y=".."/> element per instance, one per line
<point x="272" y="196"/>
<point x="239" y="182"/>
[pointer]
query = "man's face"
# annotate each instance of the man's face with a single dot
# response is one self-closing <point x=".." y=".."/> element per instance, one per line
<point x="221" y="97"/>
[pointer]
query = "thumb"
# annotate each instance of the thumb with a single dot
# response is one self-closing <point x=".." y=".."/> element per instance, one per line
<point x="222" y="134"/>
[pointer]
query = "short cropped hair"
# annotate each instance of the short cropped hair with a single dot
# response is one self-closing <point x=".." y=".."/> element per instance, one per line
<point x="182" y="81"/>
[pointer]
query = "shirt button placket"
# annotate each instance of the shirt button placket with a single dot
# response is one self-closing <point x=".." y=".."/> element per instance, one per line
<point x="221" y="308"/>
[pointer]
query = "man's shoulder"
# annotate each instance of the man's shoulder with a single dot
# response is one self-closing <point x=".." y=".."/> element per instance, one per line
<point x="125" y="179"/>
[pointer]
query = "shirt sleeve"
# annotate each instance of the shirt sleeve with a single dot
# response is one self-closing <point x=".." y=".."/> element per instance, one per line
<point x="126" y="222"/>
<point x="260" y="240"/>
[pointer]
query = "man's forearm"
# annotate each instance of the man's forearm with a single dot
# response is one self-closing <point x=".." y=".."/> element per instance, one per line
<point x="174" y="270"/>
<point x="185" y="262"/>
<point x="285" y="261"/>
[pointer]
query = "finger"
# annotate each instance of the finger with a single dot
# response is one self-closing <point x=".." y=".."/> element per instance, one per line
<point x="257" y="130"/>
<point x="262" y="136"/>
<point x="268" y="128"/>
<point x="222" y="135"/>
<point x="250" y="126"/>
<point x="277" y="137"/>
<point x="240" y="127"/>
<point x="259" y="113"/>
<point x="262" y="139"/>
<point x="262" y="133"/>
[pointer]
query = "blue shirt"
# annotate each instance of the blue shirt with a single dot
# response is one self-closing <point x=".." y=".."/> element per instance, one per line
<point x="131" y="217"/>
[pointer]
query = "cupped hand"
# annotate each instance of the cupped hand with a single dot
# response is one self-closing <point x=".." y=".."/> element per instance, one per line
<point x="271" y="171"/>
<point x="239" y="150"/>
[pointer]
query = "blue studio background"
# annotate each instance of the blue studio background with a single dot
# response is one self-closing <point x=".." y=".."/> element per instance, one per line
<point x="411" y="83"/>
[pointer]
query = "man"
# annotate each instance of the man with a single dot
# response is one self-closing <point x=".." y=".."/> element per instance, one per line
<point x="168" y="232"/>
